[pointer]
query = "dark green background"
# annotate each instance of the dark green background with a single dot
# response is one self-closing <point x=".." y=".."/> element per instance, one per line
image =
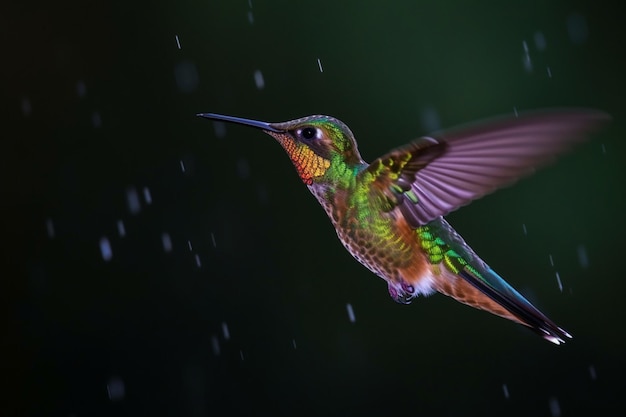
<point x="277" y="273"/>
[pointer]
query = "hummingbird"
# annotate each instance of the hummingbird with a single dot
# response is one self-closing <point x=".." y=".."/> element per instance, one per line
<point x="389" y="213"/>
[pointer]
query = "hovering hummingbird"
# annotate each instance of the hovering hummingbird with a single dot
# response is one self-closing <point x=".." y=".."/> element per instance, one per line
<point x="389" y="214"/>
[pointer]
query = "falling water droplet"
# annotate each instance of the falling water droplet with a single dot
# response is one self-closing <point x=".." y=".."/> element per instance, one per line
<point x="182" y="166"/>
<point x="213" y="240"/>
<point x="555" y="408"/>
<point x="132" y="199"/>
<point x="258" y="79"/>
<point x="220" y="129"/>
<point x="319" y="64"/>
<point x="147" y="196"/>
<point x="505" y="390"/>
<point x="583" y="257"/>
<point x="81" y="89"/>
<point x="198" y="262"/>
<point x="577" y="28"/>
<point x="186" y="76"/>
<point x="592" y="372"/>
<point x="540" y="41"/>
<point x="524" y="229"/>
<point x="167" y="242"/>
<point x="528" y="64"/>
<point x="558" y="280"/>
<point x="350" y="313"/>
<point x="551" y="260"/>
<point x="225" y="331"/>
<point x="105" y="249"/>
<point x="293" y="343"/>
<point x="50" y="228"/>
<point x="96" y="119"/>
<point x="115" y="388"/>
<point x="215" y="344"/>
<point x="177" y="42"/>
<point x="429" y="119"/>
<point x="121" y="230"/>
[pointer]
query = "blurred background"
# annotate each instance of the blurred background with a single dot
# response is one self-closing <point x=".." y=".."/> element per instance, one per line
<point x="155" y="263"/>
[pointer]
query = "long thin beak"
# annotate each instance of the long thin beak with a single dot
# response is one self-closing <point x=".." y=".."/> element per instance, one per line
<point x="241" y="121"/>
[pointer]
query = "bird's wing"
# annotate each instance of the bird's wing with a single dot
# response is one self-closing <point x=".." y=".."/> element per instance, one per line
<point x="452" y="168"/>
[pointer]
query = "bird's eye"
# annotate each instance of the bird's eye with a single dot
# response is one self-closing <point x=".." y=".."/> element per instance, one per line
<point x="308" y="133"/>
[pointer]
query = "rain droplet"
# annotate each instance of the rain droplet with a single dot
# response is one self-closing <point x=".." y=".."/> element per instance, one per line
<point x="167" y="242"/>
<point x="241" y="354"/>
<point x="540" y="41"/>
<point x="577" y="28"/>
<point x="198" y="262"/>
<point x="429" y="118"/>
<point x="603" y="149"/>
<point x="583" y="257"/>
<point x="350" y="313"/>
<point x="121" y="230"/>
<point x="524" y="229"/>
<point x="515" y="112"/>
<point x="558" y="280"/>
<point x="115" y="388"/>
<point x="319" y="64"/>
<point x="105" y="249"/>
<point x="189" y="245"/>
<point x="186" y="76"/>
<point x="215" y="344"/>
<point x="81" y="89"/>
<point x="293" y="343"/>
<point x="132" y="199"/>
<point x="182" y="166"/>
<point x="147" y="196"/>
<point x="258" y="79"/>
<point x="50" y="228"/>
<point x="592" y="372"/>
<point x="213" y="240"/>
<point x="220" y="129"/>
<point x="225" y="331"/>
<point x="177" y="41"/>
<point x="505" y="390"/>
<point x="528" y="65"/>
<point x="96" y="119"/>
<point x="250" y="17"/>
<point x="549" y="71"/>
<point x="555" y="408"/>
<point x="551" y="260"/>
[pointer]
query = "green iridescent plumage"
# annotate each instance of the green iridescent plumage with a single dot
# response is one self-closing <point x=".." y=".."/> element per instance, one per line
<point x="388" y="214"/>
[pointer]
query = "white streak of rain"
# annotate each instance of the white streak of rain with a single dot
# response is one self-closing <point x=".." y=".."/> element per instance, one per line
<point x="555" y="408"/>
<point x="132" y="199"/>
<point x="167" y="242"/>
<point x="350" y="311"/>
<point x="225" y="331"/>
<point x="105" y="249"/>
<point x="121" y="230"/>
<point x="115" y="388"/>
<point x="583" y="257"/>
<point x="258" y="79"/>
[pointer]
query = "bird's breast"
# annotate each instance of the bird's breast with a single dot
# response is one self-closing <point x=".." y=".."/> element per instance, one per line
<point x="383" y="242"/>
